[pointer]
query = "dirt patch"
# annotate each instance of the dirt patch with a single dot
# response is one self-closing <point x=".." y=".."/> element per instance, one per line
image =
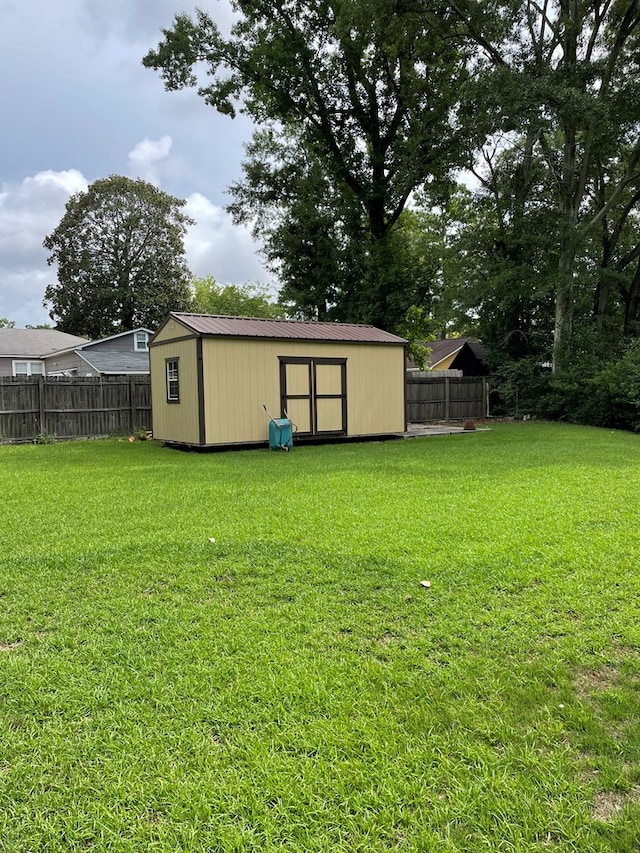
<point x="9" y="647"/>
<point x="596" y="680"/>
<point x="608" y="804"/>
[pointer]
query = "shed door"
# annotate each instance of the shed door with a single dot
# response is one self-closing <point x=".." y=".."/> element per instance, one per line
<point x="313" y="394"/>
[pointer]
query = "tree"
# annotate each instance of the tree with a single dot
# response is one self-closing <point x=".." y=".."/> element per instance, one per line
<point x="120" y="257"/>
<point x="365" y="89"/>
<point x="313" y="234"/>
<point x="565" y="80"/>
<point x="247" y="300"/>
<point x="6" y="324"/>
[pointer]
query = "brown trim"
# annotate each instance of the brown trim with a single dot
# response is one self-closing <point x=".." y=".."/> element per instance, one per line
<point x="293" y="340"/>
<point x="312" y="396"/>
<point x="200" y="375"/>
<point x="175" y="358"/>
<point x="284" y="361"/>
<point x="172" y="340"/>
<point x="404" y="384"/>
<point x="342" y="363"/>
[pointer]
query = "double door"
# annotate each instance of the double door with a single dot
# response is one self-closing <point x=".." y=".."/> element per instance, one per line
<point x="313" y="393"/>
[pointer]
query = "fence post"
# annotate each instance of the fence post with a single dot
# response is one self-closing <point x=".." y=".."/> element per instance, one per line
<point x="41" y="410"/>
<point x="446" y="398"/>
<point x="132" y="401"/>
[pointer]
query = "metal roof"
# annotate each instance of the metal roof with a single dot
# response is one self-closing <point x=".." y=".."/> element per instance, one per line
<point x="35" y="343"/>
<point x="253" y="327"/>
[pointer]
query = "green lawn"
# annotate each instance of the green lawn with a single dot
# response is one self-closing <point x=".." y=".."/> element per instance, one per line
<point x="292" y="686"/>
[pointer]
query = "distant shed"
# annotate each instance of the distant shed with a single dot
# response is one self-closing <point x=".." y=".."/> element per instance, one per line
<point x="212" y="375"/>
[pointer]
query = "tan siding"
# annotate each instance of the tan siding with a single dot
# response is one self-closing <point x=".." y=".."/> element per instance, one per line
<point x="175" y="421"/>
<point x="300" y="413"/>
<point x="297" y="379"/>
<point x="329" y="415"/>
<point x="328" y="379"/>
<point x="242" y="375"/>
<point x="172" y="329"/>
<point x="375" y="391"/>
<point x="446" y="363"/>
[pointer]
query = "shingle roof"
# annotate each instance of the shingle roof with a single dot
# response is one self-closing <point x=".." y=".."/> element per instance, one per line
<point x="103" y="341"/>
<point x="443" y="348"/>
<point x="35" y="343"/>
<point x="85" y="344"/>
<point x="252" y="327"/>
<point x="117" y="362"/>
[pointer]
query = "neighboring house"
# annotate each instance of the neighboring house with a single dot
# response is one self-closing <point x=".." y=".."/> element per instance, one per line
<point x="23" y="352"/>
<point x="465" y="354"/>
<point x="125" y="353"/>
<point x="213" y="376"/>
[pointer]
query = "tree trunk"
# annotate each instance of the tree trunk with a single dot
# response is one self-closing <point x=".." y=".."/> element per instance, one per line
<point x="631" y="302"/>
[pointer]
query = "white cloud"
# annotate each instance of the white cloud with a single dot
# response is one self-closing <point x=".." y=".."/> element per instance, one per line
<point x="31" y="209"/>
<point x="145" y="157"/>
<point x="217" y="247"/>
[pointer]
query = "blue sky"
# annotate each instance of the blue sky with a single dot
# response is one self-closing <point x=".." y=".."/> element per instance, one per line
<point x="77" y="105"/>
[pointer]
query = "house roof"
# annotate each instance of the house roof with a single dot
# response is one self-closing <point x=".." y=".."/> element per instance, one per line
<point x="442" y="349"/>
<point x="253" y="327"/>
<point x="85" y="344"/>
<point x="116" y="362"/>
<point x="35" y="343"/>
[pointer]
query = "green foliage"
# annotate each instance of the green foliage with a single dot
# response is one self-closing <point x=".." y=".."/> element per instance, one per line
<point x="247" y="300"/>
<point x="355" y="102"/>
<point x="120" y="256"/>
<point x="569" y="120"/>
<point x="45" y="438"/>
<point x="368" y="88"/>
<point x="6" y="324"/>
<point x="607" y="396"/>
<point x="595" y="390"/>
<point x="417" y="329"/>
<point x="292" y="685"/>
<point x="517" y="388"/>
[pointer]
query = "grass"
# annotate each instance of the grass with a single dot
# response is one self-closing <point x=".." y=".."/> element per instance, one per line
<point x="292" y="686"/>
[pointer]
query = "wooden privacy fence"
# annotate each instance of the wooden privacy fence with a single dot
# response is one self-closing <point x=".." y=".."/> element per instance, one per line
<point x="76" y="407"/>
<point x="444" y="398"/>
<point x="73" y="407"/>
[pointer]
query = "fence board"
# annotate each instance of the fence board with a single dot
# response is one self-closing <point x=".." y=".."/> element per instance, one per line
<point x="445" y="398"/>
<point x="73" y="407"/>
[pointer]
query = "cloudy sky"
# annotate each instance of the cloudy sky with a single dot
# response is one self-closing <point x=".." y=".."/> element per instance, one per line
<point x="77" y="105"/>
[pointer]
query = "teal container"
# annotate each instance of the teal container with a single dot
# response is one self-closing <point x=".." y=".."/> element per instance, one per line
<point x="280" y="434"/>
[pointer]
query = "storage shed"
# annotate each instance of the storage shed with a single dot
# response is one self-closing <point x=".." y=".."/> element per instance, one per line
<point x="211" y="377"/>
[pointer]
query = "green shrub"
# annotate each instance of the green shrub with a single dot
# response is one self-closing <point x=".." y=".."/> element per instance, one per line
<point x="604" y="396"/>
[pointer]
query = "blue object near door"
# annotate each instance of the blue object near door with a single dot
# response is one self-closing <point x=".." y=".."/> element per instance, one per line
<point x="280" y="434"/>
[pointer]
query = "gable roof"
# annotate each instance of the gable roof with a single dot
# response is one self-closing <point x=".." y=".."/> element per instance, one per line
<point x="113" y="337"/>
<point x="442" y="349"/>
<point x="85" y="344"/>
<point x="254" y="327"/>
<point x="35" y="343"/>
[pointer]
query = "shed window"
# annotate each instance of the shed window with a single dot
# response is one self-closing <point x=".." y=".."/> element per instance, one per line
<point x="173" y="384"/>
<point x="142" y="342"/>
<point x="28" y="368"/>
